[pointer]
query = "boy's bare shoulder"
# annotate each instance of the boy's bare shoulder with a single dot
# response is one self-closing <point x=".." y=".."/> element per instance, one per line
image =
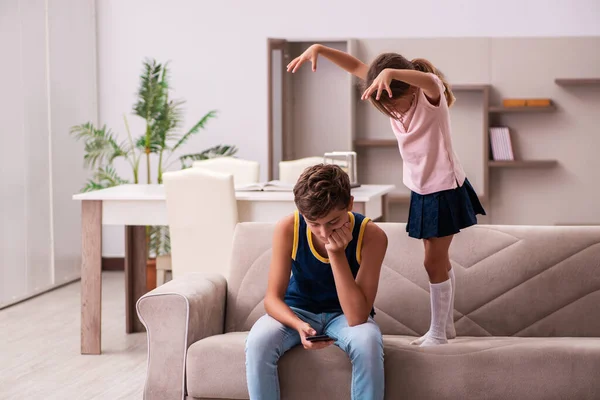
<point x="285" y="226"/>
<point x="374" y="234"/>
<point x="286" y="222"/>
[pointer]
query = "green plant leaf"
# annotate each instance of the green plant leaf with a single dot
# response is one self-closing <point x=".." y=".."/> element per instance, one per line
<point x="168" y="119"/>
<point x="169" y="113"/>
<point x="101" y="147"/>
<point x="103" y="178"/>
<point x="151" y="91"/>
<point x="199" y="125"/>
<point x="159" y="240"/>
<point x="91" y="186"/>
<point x="154" y="144"/>
<point x="213" y="152"/>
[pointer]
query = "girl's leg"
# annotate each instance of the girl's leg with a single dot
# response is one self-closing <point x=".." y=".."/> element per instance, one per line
<point x="450" y="330"/>
<point x="437" y="259"/>
<point x="437" y="265"/>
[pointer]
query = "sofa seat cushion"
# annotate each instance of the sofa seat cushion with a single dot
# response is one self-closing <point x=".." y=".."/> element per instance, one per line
<point x="468" y="367"/>
<point x="493" y="368"/>
<point x="216" y="368"/>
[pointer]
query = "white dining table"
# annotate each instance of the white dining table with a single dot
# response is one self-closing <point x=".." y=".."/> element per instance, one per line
<point x="138" y="206"/>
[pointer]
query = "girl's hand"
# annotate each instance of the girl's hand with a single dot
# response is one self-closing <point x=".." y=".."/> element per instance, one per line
<point x="305" y="330"/>
<point x="311" y="54"/>
<point x="381" y="83"/>
<point x="339" y="239"/>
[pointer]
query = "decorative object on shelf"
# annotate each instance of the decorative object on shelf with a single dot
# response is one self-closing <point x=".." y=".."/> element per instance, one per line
<point x="539" y="102"/>
<point x="514" y="102"/>
<point x="346" y="160"/>
<point x="501" y="144"/>
<point x="508" y="103"/>
<point x="162" y="137"/>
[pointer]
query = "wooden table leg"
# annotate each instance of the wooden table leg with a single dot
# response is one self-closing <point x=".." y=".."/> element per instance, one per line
<point x="385" y="207"/>
<point x="91" y="276"/>
<point x="136" y="256"/>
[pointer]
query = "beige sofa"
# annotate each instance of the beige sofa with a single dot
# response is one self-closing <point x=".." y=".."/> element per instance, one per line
<point x="527" y="314"/>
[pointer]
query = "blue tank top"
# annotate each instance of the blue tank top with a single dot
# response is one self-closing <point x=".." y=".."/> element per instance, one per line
<point x="312" y="286"/>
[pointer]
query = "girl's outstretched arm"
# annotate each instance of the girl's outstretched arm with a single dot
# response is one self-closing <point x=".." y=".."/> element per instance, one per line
<point x="343" y="60"/>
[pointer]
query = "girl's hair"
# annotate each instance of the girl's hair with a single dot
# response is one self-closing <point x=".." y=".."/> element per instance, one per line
<point x="399" y="88"/>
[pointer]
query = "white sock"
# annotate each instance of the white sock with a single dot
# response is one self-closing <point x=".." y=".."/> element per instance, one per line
<point x="450" y="330"/>
<point x="440" y="294"/>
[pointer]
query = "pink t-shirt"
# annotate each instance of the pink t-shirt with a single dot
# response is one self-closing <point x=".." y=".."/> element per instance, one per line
<point x="430" y="164"/>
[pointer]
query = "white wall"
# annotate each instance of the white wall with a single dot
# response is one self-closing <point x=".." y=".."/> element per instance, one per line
<point x="219" y="54"/>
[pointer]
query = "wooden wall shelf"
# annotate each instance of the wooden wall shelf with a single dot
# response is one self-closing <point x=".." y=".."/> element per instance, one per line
<point x="523" y="164"/>
<point x="375" y="143"/>
<point x="577" y="81"/>
<point x="469" y="87"/>
<point x="526" y="109"/>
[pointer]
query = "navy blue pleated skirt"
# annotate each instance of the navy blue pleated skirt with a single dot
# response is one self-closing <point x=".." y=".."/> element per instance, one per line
<point x="443" y="213"/>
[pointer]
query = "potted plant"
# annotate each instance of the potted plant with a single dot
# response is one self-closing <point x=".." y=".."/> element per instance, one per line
<point x="162" y="137"/>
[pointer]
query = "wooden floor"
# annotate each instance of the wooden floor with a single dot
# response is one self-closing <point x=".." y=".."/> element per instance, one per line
<point x="40" y="348"/>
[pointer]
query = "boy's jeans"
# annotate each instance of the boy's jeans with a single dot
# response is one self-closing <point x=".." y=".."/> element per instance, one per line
<point x="269" y="339"/>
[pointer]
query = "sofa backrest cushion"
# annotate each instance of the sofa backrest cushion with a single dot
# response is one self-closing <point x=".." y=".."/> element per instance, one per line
<point x="511" y="280"/>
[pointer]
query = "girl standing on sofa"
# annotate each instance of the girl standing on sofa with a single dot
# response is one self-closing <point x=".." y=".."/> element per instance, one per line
<point x="416" y="97"/>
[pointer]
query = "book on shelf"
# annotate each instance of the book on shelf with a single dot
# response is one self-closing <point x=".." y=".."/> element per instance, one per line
<point x="501" y="144"/>
<point x="270" y="186"/>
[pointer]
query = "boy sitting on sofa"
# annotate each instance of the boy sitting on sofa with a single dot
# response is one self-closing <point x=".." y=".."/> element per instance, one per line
<point x="335" y="256"/>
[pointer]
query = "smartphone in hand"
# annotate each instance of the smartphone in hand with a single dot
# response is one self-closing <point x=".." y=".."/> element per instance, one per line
<point x="318" y="338"/>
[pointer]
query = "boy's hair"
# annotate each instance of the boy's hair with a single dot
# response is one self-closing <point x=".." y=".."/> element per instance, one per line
<point x="320" y="189"/>
<point x="399" y="89"/>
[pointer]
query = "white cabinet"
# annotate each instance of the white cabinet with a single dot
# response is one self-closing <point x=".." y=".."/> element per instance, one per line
<point x="50" y="85"/>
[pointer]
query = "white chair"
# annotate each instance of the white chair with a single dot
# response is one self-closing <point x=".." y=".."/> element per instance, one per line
<point x="290" y="171"/>
<point x="163" y="265"/>
<point x="202" y="213"/>
<point x="245" y="172"/>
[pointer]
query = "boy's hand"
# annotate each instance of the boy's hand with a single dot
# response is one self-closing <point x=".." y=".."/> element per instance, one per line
<point x="381" y="83"/>
<point x="311" y="54"/>
<point x="339" y="239"/>
<point x="304" y="329"/>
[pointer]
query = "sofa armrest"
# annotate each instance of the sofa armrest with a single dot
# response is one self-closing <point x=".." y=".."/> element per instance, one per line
<point x="176" y="315"/>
